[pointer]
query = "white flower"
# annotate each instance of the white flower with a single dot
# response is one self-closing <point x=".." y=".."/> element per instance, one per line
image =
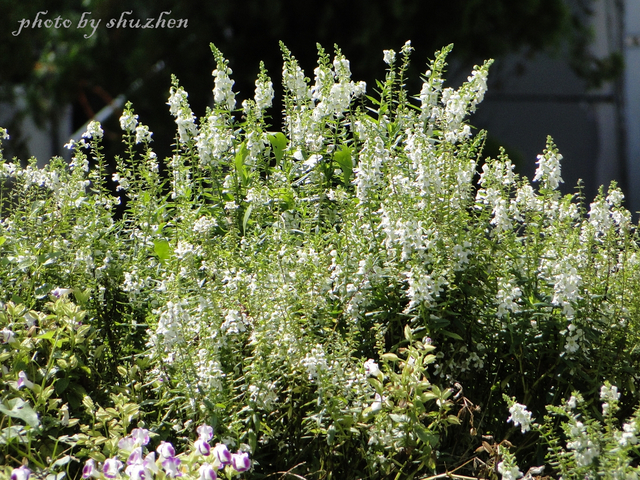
<point x="23" y="381"/>
<point x="204" y="224"/>
<point x="111" y="467"/>
<point x="509" y="472"/>
<point x="21" y="473"/>
<point x="222" y="93"/>
<point x="520" y="416"/>
<point x="264" y="95"/>
<point x="128" y="121"/>
<point x="406" y="48"/>
<point x="371" y="368"/>
<point x="143" y="134"/>
<point x="548" y="170"/>
<point x="585" y="451"/>
<point x="608" y="393"/>
<point x="389" y="56"/>
<point x="628" y="436"/>
<point x="94" y="130"/>
<point x="7" y="335"/>
<point x="376" y="406"/>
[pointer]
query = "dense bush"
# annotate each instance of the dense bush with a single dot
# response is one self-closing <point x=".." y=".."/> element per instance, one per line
<point x="348" y="298"/>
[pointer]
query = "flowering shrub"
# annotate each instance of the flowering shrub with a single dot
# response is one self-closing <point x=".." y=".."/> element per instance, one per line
<point x="289" y="288"/>
<point x="131" y="462"/>
<point x="589" y="445"/>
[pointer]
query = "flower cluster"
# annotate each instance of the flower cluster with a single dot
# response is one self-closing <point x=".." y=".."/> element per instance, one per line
<point x="520" y="416"/>
<point x="145" y="467"/>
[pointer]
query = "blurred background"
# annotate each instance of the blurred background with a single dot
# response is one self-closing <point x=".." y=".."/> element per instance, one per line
<point x="566" y="68"/>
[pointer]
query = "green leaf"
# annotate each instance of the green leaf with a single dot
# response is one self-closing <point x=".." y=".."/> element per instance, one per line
<point x="43" y="290"/>
<point x="399" y="418"/>
<point x="343" y="158"/>
<point x="162" y="249"/>
<point x="278" y="144"/>
<point x="389" y="356"/>
<point x="241" y="169"/>
<point x="455" y="336"/>
<point x="426" y="436"/>
<point x="13" y="433"/>
<point x="47" y="335"/>
<point x="18" y="408"/>
<point x="62" y="384"/>
<point x="425" y="397"/>
<point x="2" y="240"/>
<point x="245" y="219"/>
<point x="428" y="359"/>
<point x="453" y="420"/>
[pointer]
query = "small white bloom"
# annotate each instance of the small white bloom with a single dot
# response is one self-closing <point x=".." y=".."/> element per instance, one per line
<point x="389" y="56"/>
<point x="628" y="436"/>
<point x="94" y="130"/>
<point x="143" y="134"/>
<point x="371" y="368"/>
<point x="7" y="335"/>
<point x="608" y="393"/>
<point x="128" y="121"/>
<point x="520" y="416"/>
<point x="509" y="472"/>
<point x="376" y="406"/>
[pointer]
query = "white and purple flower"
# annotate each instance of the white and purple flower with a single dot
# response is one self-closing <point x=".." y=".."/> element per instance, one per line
<point x="140" y="435"/>
<point x="171" y="467"/>
<point x="207" y="472"/>
<point x="202" y="447"/>
<point x="90" y="470"/>
<point x="136" y="472"/>
<point x="166" y="450"/>
<point x="222" y="454"/>
<point x="240" y="462"/>
<point x="23" y="381"/>
<point x="20" y="473"/>
<point x="111" y="467"/>
<point x="127" y="444"/>
<point x="7" y="335"/>
<point x="205" y="432"/>
<point x="136" y="457"/>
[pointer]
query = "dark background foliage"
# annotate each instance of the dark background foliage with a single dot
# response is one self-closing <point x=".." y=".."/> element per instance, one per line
<point x="57" y="67"/>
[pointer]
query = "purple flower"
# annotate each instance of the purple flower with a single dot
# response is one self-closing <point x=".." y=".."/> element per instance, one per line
<point x="166" y="450"/>
<point x="90" y="469"/>
<point x="20" y="473"/>
<point x="205" y="432"/>
<point x="136" y="457"/>
<point x="23" y="381"/>
<point x="6" y="335"/>
<point x="111" y="467"/>
<point x="222" y="454"/>
<point x="135" y="472"/>
<point x="172" y="467"/>
<point x="60" y="292"/>
<point x="150" y="463"/>
<point x="207" y="472"/>
<point x="127" y="444"/>
<point x="240" y="461"/>
<point x="140" y="435"/>
<point x="202" y="447"/>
